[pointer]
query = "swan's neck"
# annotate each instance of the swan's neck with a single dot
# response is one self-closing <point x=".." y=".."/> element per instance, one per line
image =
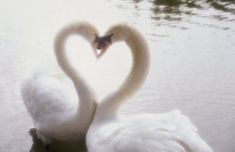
<point x="86" y="105"/>
<point x="136" y="77"/>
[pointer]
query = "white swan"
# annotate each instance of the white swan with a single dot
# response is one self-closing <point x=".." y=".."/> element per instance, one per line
<point x="55" y="112"/>
<point x="168" y="132"/>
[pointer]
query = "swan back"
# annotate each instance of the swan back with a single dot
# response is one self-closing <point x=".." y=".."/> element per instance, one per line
<point x="40" y="93"/>
<point x="171" y="132"/>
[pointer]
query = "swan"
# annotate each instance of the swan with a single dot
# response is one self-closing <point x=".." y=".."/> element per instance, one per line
<point x="109" y="132"/>
<point x="49" y="99"/>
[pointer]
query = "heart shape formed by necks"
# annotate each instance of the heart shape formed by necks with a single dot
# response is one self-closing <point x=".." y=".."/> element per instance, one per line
<point x="101" y="44"/>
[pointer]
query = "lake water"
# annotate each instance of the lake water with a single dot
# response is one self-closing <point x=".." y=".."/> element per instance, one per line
<point x="192" y="46"/>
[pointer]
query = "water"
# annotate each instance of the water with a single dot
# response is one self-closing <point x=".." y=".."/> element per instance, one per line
<point x="192" y="60"/>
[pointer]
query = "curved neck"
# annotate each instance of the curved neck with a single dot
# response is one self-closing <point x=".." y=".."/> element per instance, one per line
<point x="136" y="77"/>
<point x="85" y="95"/>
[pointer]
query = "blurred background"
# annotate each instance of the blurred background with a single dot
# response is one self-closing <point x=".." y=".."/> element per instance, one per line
<point x="192" y="44"/>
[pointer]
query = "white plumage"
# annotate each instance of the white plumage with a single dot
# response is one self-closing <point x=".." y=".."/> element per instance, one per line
<point x="168" y="132"/>
<point x="60" y="108"/>
<point x="46" y="94"/>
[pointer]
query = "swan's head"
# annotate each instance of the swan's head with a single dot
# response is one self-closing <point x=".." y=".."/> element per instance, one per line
<point x="116" y="33"/>
<point x="101" y="44"/>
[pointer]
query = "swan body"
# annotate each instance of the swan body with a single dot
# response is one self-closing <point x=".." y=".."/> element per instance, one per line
<point x="51" y="100"/>
<point x="167" y="132"/>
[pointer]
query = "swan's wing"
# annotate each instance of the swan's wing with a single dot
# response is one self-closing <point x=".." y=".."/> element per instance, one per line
<point x="170" y="132"/>
<point x="47" y="96"/>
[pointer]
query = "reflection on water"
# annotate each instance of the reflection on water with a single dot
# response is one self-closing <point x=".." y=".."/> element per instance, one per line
<point x="186" y="12"/>
<point x="174" y="9"/>
<point x="223" y="5"/>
